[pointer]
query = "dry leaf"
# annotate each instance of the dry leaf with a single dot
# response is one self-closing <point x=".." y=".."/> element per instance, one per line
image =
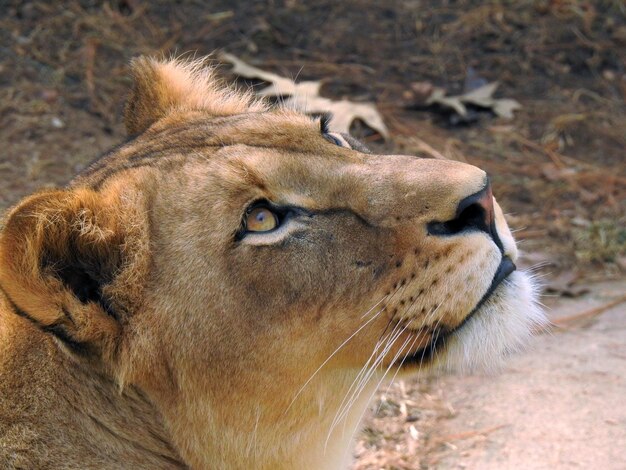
<point x="481" y="97"/>
<point x="439" y="97"/>
<point x="305" y="96"/>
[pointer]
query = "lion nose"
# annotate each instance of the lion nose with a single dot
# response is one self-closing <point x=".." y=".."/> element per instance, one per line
<point x="474" y="212"/>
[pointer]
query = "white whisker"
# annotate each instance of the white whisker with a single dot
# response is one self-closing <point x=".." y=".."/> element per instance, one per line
<point x="391" y="364"/>
<point x="344" y="412"/>
<point x="431" y="343"/>
<point x="333" y="354"/>
<point x="363" y="376"/>
<point x="375" y="305"/>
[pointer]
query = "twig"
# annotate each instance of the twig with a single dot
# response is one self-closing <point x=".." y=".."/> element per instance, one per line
<point x="468" y="434"/>
<point x="423" y="146"/>
<point x="566" y="322"/>
<point x="554" y="156"/>
<point x="427" y="149"/>
<point x="559" y="159"/>
<point x="525" y="234"/>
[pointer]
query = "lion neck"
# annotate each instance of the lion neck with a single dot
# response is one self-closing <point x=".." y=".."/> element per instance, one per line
<point x="146" y="430"/>
<point x="126" y="417"/>
<point x="72" y="404"/>
<point x="235" y="431"/>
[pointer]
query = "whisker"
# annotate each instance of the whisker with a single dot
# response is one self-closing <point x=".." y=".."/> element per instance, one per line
<point x="391" y="364"/>
<point x="391" y="318"/>
<point x="365" y="373"/>
<point x="436" y="329"/>
<point x="399" y="367"/>
<point x="537" y="266"/>
<point x="344" y="412"/>
<point x="333" y="354"/>
<point x="375" y="305"/>
<point x="401" y="364"/>
<point x="363" y="377"/>
<point x="420" y="330"/>
<point x="417" y="335"/>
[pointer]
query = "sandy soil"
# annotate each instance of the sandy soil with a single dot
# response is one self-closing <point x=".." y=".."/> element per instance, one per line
<point x="562" y="406"/>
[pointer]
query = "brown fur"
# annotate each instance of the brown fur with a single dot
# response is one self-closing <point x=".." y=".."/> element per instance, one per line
<point x="136" y="331"/>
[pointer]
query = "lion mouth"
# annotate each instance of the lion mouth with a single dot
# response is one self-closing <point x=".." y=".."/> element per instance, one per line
<point x="440" y="335"/>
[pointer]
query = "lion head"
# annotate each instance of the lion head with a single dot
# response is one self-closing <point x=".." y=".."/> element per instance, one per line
<point x="257" y="276"/>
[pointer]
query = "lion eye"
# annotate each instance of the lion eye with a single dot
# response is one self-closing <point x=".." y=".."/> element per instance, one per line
<point x="261" y="219"/>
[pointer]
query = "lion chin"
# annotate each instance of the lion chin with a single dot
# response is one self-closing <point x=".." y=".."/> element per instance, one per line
<point x="502" y="324"/>
<point x="229" y="287"/>
<point x="500" y="327"/>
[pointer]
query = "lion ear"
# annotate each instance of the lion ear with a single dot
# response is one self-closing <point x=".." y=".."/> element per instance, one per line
<point x="60" y="251"/>
<point x="165" y="87"/>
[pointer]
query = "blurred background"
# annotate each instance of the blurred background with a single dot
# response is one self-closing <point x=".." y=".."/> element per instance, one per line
<point x="558" y="167"/>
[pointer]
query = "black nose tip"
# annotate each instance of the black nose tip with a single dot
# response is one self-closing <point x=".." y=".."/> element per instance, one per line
<point x="475" y="212"/>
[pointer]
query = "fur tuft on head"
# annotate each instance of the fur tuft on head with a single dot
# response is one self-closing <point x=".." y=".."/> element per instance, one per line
<point x="165" y="86"/>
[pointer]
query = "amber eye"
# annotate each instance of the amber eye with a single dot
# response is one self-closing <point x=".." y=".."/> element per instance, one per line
<point x="261" y="219"/>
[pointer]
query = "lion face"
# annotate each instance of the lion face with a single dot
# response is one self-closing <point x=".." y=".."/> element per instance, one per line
<point x="250" y="270"/>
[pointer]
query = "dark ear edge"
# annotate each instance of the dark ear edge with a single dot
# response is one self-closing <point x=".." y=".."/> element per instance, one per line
<point x="59" y="252"/>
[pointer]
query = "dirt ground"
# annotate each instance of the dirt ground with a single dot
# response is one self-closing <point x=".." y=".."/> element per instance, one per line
<point x="558" y="167"/>
<point x="560" y="406"/>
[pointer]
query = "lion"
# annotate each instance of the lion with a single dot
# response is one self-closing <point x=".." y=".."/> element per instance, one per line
<point x="228" y="288"/>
